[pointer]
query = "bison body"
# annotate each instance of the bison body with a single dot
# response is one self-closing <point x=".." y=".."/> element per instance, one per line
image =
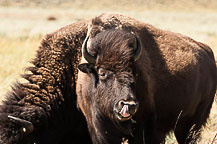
<point x="138" y="83"/>
<point x="43" y="110"/>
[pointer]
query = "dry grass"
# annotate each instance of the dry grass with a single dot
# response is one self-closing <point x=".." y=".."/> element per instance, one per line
<point x="15" y="54"/>
<point x="21" y="30"/>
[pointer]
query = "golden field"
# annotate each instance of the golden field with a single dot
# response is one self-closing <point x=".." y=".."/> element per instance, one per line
<point x="24" y="24"/>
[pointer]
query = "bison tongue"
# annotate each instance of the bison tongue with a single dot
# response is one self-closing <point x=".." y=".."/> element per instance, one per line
<point x="125" y="111"/>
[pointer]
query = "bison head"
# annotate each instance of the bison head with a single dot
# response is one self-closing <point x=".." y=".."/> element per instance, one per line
<point x="109" y="90"/>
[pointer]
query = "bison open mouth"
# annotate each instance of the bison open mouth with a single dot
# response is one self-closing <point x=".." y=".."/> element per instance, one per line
<point x="125" y="110"/>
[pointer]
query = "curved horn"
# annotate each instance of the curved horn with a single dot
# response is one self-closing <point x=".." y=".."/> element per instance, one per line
<point x="28" y="127"/>
<point x="86" y="54"/>
<point x="138" y="50"/>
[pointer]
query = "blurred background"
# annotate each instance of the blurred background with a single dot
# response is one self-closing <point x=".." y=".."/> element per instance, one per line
<point x="23" y="24"/>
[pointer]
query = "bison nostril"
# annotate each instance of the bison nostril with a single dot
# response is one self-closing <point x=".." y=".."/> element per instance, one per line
<point x="133" y="108"/>
<point x="121" y="103"/>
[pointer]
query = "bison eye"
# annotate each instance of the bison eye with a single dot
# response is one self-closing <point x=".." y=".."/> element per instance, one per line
<point x="103" y="74"/>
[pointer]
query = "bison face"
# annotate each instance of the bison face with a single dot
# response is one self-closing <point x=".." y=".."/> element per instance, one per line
<point x="112" y="93"/>
<point x="111" y="55"/>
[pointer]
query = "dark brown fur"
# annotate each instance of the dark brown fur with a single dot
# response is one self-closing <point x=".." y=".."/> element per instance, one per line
<point x="174" y="81"/>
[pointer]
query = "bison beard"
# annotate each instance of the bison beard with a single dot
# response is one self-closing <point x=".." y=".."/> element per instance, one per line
<point x="171" y="77"/>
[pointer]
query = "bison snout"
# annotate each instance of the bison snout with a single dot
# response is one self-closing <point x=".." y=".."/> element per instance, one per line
<point x="124" y="110"/>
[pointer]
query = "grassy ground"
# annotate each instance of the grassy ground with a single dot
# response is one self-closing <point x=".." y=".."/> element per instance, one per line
<point x="23" y="25"/>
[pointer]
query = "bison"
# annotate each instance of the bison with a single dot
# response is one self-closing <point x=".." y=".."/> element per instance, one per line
<point x="137" y="83"/>
<point x="43" y="109"/>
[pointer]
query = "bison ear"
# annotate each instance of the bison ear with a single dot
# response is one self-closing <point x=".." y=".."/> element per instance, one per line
<point x="86" y="68"/>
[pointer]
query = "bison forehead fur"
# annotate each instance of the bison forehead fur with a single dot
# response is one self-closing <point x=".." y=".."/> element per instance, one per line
<point x="174" y="77"/>
<point x="114" y="49"/>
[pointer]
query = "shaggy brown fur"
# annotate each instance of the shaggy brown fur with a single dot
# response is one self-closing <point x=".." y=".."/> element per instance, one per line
<point x="48" y="99"/>
<point x="174" y="77"/>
